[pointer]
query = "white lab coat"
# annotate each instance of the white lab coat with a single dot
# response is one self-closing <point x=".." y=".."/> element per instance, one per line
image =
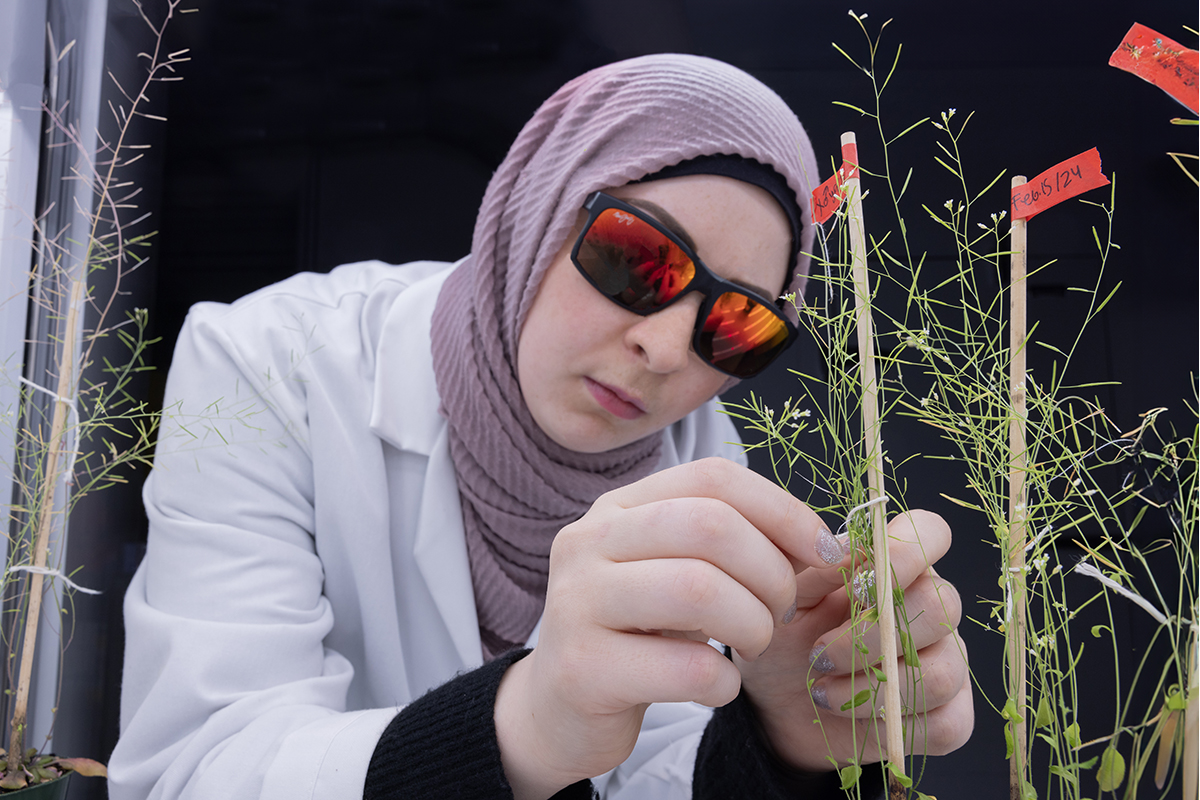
<point x="306" y="574"/>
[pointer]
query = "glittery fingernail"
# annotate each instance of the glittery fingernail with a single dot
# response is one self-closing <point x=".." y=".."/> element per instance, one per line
<point x="820" y="696"/>
<point x="844" y="541"/>
<point x="790" y="615"/>
<point x="819" y="661"/>
<point x="829" y="548"/>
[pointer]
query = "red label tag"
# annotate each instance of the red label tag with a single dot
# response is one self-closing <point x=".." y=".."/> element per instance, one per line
<point x="1062" y="182"/>
<point x="1166" y="63"/>
<point x="828" y="196"/>
<point x="850" y="160"/>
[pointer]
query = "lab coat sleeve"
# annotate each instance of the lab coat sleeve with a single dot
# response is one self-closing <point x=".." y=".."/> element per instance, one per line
<point x="228" y="690"/>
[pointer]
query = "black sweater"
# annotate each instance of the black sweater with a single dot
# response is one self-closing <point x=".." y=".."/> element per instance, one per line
<point x="443" y="745"/>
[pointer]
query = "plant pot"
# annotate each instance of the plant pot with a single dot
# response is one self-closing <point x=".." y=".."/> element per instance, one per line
<point x="53" y="790"/>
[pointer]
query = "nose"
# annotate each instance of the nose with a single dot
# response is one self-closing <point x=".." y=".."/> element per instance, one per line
<point x="664" y="338"/>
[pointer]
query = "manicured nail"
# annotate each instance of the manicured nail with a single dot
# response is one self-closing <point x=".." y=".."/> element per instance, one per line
<point x="790" y="615"/>
<point x="829" y="548"/>
<point x="844" y="541"/>
<point x="819" y="661"/>
<point x="820" y="696"/>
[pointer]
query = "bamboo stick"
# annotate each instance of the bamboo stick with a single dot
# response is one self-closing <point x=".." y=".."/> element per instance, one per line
<point x="1016" y="621"/>
<point x="873" y="447"/>
<point x="50" y="477"/>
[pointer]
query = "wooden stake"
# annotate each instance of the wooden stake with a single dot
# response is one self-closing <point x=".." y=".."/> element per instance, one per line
<point x="1016" y="505"/>
<point x="873" y="452"/>
<point x="51" y="475"/>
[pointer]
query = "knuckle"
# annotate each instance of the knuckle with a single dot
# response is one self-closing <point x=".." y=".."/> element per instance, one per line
<point x="569" y="544"/>
<point x="711" y="475"/>
<point x="705" y="523"/>
<point x="694" y="586"/>
<point x="701" y="668"/>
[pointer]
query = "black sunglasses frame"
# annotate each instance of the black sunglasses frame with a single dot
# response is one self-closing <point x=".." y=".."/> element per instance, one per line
<point x="705" y="281"/>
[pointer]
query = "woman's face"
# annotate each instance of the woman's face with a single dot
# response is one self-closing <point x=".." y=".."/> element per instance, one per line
<point x="595" y="376"/>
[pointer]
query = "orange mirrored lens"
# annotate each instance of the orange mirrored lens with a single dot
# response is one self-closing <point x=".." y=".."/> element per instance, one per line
<point x="632" y="262"/>
<point x="741" y="335"/>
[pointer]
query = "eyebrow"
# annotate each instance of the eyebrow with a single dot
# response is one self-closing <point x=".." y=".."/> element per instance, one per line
<point x="673" y="225"/>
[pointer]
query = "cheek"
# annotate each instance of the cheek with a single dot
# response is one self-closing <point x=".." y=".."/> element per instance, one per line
<point x="559" y="326"/>
<point x="702" y="385"/>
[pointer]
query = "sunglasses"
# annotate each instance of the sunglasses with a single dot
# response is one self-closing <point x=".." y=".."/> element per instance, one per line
<point x="641" y="266"/>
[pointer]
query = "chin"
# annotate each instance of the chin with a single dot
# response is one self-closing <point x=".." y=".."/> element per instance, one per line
<point x="598" y="441"/>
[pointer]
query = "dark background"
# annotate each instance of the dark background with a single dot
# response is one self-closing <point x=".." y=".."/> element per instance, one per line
<point x="310" y="133"/>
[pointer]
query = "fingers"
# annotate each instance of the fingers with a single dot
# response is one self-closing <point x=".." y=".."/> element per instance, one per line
<point x="932" y="610"/>
<point x="790" y="524"/>
<point x="934" y="730"/>
<point x="916" y="539"/>
<point x="703" y="529"/>
<point x="630" y="669"/>
<point x="670" y="670"/>
<point x="934" y="733"/>
<point x="684" y="595"/>
<point x="937" y="680"/>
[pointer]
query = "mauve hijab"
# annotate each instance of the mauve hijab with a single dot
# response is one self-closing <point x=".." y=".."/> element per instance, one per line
<point x="616" y="124"/>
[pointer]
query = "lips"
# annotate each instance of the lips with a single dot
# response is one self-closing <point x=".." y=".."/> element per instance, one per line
<point x="615" y="401"/>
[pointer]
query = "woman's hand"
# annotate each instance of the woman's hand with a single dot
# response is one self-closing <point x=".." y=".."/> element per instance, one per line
<point x="637" y="587"/>
<point x="820" y="646"/>
<point x="641" y="583"/>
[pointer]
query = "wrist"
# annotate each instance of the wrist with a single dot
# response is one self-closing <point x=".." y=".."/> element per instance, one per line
<point x="529" y="763"/>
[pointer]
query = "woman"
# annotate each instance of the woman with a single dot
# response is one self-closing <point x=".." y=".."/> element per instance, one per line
<point x="385" y="477"/>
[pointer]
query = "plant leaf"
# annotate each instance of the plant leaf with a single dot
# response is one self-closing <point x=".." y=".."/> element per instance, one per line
<point x="857" y="700"/>
<point x="850" y="775"/>
<point x="1071" y="735"/>
<point x="84" y="766"/>
<point x="1112" y="769"/>
<point x="898" y="773"/>
<point x="13" y="780"/>
<point x="1045" y="714"/>
<point x="1065" y="774"/>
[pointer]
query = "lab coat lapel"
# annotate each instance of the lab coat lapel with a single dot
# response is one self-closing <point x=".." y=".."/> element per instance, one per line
<point x="405" y="413"/>
<point x="440" y="551"/>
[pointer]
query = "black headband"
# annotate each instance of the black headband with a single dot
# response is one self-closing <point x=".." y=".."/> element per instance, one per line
<point x="746" y="170"/>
